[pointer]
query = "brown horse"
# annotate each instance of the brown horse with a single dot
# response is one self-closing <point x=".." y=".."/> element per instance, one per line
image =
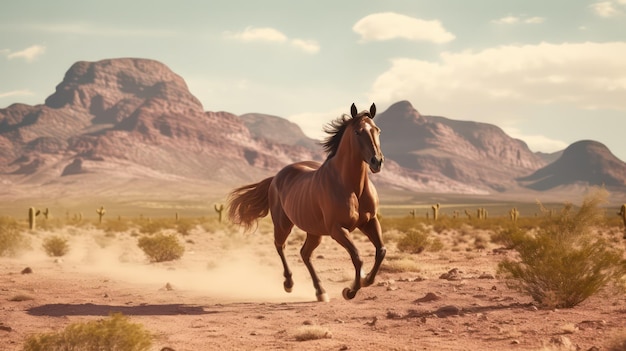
<point x="332" y="198"/>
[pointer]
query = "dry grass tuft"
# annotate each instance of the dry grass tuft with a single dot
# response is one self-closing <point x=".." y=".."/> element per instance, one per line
<point x="56" y="246"/>
<point x="312" y="332"/>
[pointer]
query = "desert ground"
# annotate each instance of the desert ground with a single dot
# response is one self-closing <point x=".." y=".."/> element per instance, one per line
<point x="226" y="293"/>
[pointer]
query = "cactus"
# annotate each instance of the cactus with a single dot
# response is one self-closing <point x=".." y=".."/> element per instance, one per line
<point x="176" y="216"/>
<point x="412" y="213"/>
<point x="622" y="213"/>
<point x="514" y="214"/>
<point x="469" y="215"/>
<point x="219" y="210"/>
<point x="46" y="213"/>
<point x="435" y="211"/>
<point x="101" y="211"/>
<point x="32" y="218"/>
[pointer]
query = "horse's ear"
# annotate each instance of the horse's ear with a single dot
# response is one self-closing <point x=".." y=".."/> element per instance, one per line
<point x="353" y="110"/>
<point x="373" y="110"/>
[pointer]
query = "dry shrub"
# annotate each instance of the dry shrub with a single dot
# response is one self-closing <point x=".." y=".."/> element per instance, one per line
<point x="11" y="237"/>
<point x="417" y="240"/>
<point x="55" y="246"/>
<point x="312" y="332"/>
<point x="564" y="263"/>
<point x="400" y="264"/>
<point x="161" y="247"/>
<point x="116" y="226"/>
<point x="184" y="226"/>
<point x="115" y="333"/>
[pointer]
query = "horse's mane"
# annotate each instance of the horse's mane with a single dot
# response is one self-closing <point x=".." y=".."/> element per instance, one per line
<point x="335" y="130"/>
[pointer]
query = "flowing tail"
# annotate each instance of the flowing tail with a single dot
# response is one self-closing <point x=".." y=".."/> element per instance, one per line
<point x="249" y="203"/>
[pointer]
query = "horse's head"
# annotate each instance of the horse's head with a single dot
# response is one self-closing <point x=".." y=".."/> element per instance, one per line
<point x="367" y="137"/>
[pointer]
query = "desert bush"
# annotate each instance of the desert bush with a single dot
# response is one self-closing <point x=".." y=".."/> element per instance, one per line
<point x="400" y="264"/>
<point x="115" y="333"/>
<point x="11" y="237"/>
<point x="55" y="246"/>
<point x="116" y="226"/>
<point x="563" y="263"/>
<point x="312" y="332"/>
<point x="185" y="225"/>
<point x="417" y="240"/>
<point x="153" y="226"/>
<point x="161" y="247"/>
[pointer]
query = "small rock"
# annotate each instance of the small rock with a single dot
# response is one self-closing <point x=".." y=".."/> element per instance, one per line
<point x="5" y="328"/>
<point x="446" y="311"/>
<point x="27" y="270"/>
<point x="58" y="260"/>
<point x="320" y="257"/>
<point x="453" y="274"/>
<point x="307" y="322"/>
<point x="515" y="342"/>
<point x="393" y="315"/>
<point x="486" y="276"/>
<point x="167" y="349"/>
<point x="428" y="297"/>
<point x="344" y="348"/>
<point x="169" y="287"/>
<point x="373" y="322"/>
<point x="562" y="341"/>
<point x="392" y="288"/>
<point x="105" y="295"/>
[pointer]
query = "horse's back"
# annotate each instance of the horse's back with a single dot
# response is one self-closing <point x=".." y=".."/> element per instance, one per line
<point x="295" y="174"/>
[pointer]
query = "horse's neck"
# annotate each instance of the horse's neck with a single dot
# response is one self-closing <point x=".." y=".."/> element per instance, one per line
<point x="350" y="168"/>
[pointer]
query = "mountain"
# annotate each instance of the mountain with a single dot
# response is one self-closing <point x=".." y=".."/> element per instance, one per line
<point x="129" y="130"/>
<point x="277" y="129"/>
<point x="476" y="154"/>
<point x="585" y="161"/>
<point x="128" y="121"/>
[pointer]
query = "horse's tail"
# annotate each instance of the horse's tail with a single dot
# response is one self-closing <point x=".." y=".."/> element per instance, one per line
<point x="249" y="203"/>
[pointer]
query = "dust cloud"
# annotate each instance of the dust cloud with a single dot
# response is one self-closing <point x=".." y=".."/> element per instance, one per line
<point x="239" y="274"/>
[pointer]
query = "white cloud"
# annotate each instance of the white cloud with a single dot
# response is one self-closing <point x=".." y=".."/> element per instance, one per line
<point x="268" y="34"/>
<point x="14" y="93"/>
<point x="516" y="19"/>
<point x="29" y="54"/>
<point x="258" y="34"/>
<point x="309" y="46"/>
<point x="607" y="8"/>
<point x="390" y="25"/>
<point x="537" y="142"/>
<point x="581" y="75"/>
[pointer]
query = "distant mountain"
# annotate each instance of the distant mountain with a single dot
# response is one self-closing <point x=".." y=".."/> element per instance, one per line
<point x="585" y="161"/>
<point x="476" y="154"/>
<point x="130" y="128"/>
<point x="133" y="119"/>
<point x="277" y="129"/>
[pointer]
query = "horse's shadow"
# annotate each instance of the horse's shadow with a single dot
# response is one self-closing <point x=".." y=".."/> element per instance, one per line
<point x="89" y="309"/>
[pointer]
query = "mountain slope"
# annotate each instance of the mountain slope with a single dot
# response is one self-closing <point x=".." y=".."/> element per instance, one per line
<point x="474" y="153"/>
<point x="585" y="161"/>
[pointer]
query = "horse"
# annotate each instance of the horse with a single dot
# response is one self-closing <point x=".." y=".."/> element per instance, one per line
<point x="333" y="198"/>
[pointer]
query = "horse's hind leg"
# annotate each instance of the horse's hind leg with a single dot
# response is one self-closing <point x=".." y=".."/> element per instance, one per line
<point x="280" y="236"/>
<point x="312" y="242"/>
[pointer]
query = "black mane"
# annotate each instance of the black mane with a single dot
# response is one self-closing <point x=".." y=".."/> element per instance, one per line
<point x="335" y="130"/>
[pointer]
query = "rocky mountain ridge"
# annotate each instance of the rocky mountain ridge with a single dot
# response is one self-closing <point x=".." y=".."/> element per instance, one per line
<point x="121" y="126"/>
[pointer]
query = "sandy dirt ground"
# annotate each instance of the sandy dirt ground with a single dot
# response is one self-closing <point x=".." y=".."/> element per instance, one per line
<point x="226" y="294"/>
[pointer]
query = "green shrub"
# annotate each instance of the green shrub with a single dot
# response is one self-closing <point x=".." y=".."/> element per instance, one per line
<point x="11" y="237"/>
<point x="417" y="240"/>
<point x="161" y="247"/>
<point x="564" y="263"/>
<point x="55" y="246"/>
<point x="115" y="333"/>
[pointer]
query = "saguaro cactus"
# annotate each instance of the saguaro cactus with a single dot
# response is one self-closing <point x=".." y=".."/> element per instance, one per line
<point x="101" y="211"/>
<point x="219" y="210"/>
<point x="412" y="213"/>
<point x="32" y="218"/>
<point x="46" y="213"/>
<point x="622" y="213"/>
<point x="514" y="214"/>
<point x="435" y="211"/>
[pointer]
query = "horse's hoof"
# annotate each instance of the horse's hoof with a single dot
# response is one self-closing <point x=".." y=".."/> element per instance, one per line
<point x="288" y="287"/>
<point x="366" y="281"/>
<point x="323" y="297"/>
<point x="348" y="293"/>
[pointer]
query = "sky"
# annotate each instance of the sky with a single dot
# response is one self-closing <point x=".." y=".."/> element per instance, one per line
<point x="549" y="72"/>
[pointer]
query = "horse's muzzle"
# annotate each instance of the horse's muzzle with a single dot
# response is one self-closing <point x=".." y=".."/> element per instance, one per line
<point x="376" y="164"/>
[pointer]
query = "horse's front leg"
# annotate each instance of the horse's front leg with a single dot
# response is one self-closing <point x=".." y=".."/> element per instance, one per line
<point x="373" y="231"/>
<point x="340" y="234"/>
